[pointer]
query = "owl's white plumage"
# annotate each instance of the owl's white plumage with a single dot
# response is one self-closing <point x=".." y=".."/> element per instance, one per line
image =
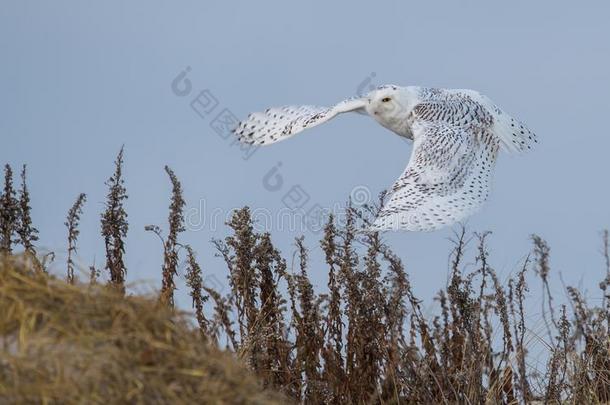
<point x="278" y="123"/>
<point x="456" y="138"/>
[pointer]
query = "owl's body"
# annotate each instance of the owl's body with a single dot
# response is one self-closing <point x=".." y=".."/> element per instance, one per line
<point x="456" y="137"/>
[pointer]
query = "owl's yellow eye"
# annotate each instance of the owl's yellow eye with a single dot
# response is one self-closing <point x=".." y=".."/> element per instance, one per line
<point x="385" y="99"/>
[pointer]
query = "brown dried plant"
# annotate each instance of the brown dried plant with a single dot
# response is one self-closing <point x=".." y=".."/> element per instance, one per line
<point x="195" y="283"/>
<point x="171" y="246"/>
<point x="364" y="337"/>
<point x="9" y="213"/>
<point x="71" y="223"/>
<point x="28" y="234"/>
<point x="114" y="225"/>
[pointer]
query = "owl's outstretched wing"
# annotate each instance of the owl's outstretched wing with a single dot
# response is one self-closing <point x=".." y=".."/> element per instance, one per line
<point x="463" y="107"/>
<point x="277" y="124"/>
<point x="447" y="178"/>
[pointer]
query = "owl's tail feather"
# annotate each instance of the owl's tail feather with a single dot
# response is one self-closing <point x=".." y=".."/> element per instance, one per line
<point x="514" y="135"/>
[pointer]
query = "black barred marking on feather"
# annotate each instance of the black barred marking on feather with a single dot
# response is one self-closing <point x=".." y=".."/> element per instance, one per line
<point x="457" y="135"/>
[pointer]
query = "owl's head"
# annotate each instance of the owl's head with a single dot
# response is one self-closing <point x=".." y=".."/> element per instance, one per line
<point x="390" y="105"/>
<point x="385" y="102"/>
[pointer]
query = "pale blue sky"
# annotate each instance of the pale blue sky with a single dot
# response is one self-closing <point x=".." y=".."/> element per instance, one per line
<point x="78" y="80"/>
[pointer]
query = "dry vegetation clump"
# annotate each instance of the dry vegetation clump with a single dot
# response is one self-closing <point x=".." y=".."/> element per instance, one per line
<point x="63" y="343"/>
<point x="71" y="223"/>
<point x="364" y="339"/>
<point x="114" y="225"/>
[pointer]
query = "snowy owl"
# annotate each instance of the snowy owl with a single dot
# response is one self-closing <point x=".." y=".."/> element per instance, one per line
<point x="456" y="136"/>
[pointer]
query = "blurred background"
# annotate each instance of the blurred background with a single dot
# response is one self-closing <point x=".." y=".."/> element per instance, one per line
<point x="78" y="81"/>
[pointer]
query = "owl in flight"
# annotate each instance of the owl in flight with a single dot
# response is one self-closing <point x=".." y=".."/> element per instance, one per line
<point x="456" y="137"/>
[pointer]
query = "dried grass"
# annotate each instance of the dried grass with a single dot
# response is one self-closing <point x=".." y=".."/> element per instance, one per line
<point x="65" y="343"/>
<point x="364" y="340"/>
